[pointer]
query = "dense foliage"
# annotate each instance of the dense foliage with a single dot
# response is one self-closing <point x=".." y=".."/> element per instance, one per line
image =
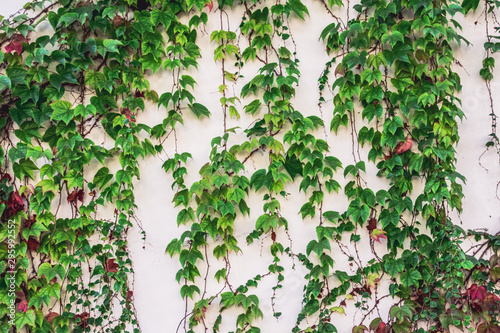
<point x="66" y="268"/>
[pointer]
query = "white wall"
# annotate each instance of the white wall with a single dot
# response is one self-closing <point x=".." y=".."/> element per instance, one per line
<point x="158" y="302"/>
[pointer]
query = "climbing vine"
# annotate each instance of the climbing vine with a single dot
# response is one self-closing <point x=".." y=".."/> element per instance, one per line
<point x="75" y="81"/>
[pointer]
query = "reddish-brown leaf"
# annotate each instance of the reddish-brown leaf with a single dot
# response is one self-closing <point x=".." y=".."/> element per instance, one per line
<point x="117" y="21"/>
<point x="6" y="176"/>
<point x="75" y="195"/>
<point x="476" y="292"/>
<point x="403" y="146"/>
<point x="340" y="70"/>
<point x="111" y="266"/>
<point x="372" y="224"/>
<point x="16" y="44"/>
<point x="33" y="244"/>
<point x="382" y="328"/>
<point x="29" y="222"/>
<point x="14" y="204"/>
<point x="20" y="295"/>
<point x="14" y="47"/>
<point x="50" y="316"/>
<point x="15" y="199"/>
<point x="139" y="94"/>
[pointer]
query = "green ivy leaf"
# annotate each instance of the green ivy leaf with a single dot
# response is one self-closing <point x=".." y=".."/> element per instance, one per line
<point x="337" y="121"/>
<point x="165" y="17"/>
<point x="95" y="79"/>
<point x="50" y="272"/>
<point x="253" y="107"/>
<point x="297" y="7"/>
<point x="359" y="329"/>
<point x="393" y="38"/>
<point x="426" y="99"/>
<point x="370" y="75"/>
<point x="23" y="319"/>
<point x="388" y="217"/>
<point x="24" y="168"/>
<point x="199" y="110"/>
<point x="74" y="179"/>
<point x="35" y="230"/>
<point x="293" y="166"/>
<point x="51" y="290"/>
<point x="68" y="18"/>
<point x="173" y="247"/>
<point x="393" y="266"/>
<point x="467" y="5"/>
<point x="189" y="290"/>
<point x="402" y="327"/>
<point x="399" y="52"/>
<point x="436" y="30"/>
<point x="400" y="313"/>
<point x="62" y="111"/>
<point x="318" y="247"/>
<point x="220" y="274"/>
<point x="266" y="222"/>
<point x="410" y="278"/>
<point x="102" y="177"/>
<point x="5" y="82"/>
<point x="38" y="300"/>
<point x="369" y="94"/>
<point x="371" y="111"/>
<point x="260" y="178"/>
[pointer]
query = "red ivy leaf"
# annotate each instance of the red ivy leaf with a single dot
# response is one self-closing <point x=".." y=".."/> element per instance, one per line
<point x="210" y="5"/>
<point x="20" y="295"/>
<point x="130" y="295"/>
<point x="15" y="199"/>
<point x="476" y="292"/>
<point x="403" y="146"/>
<point x="378" y="234"/>
<point x="117" y="21"/>
<point x="16" y="44"/>
<point x="74" y="196"/>
<point x="130" y="116"/>
<point x="33" y="244"/>
<point x="6" y="176"/>
<point x="28" y="223"/>
<point x="14" y="47"/>
<point x="23" y="306"/>
<point x="139" y="94"/>
<point x="111" y="266"/>
<point x="382" y="328"/>
<point x="14" y="204"/>
<point x="50" y="317"/>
